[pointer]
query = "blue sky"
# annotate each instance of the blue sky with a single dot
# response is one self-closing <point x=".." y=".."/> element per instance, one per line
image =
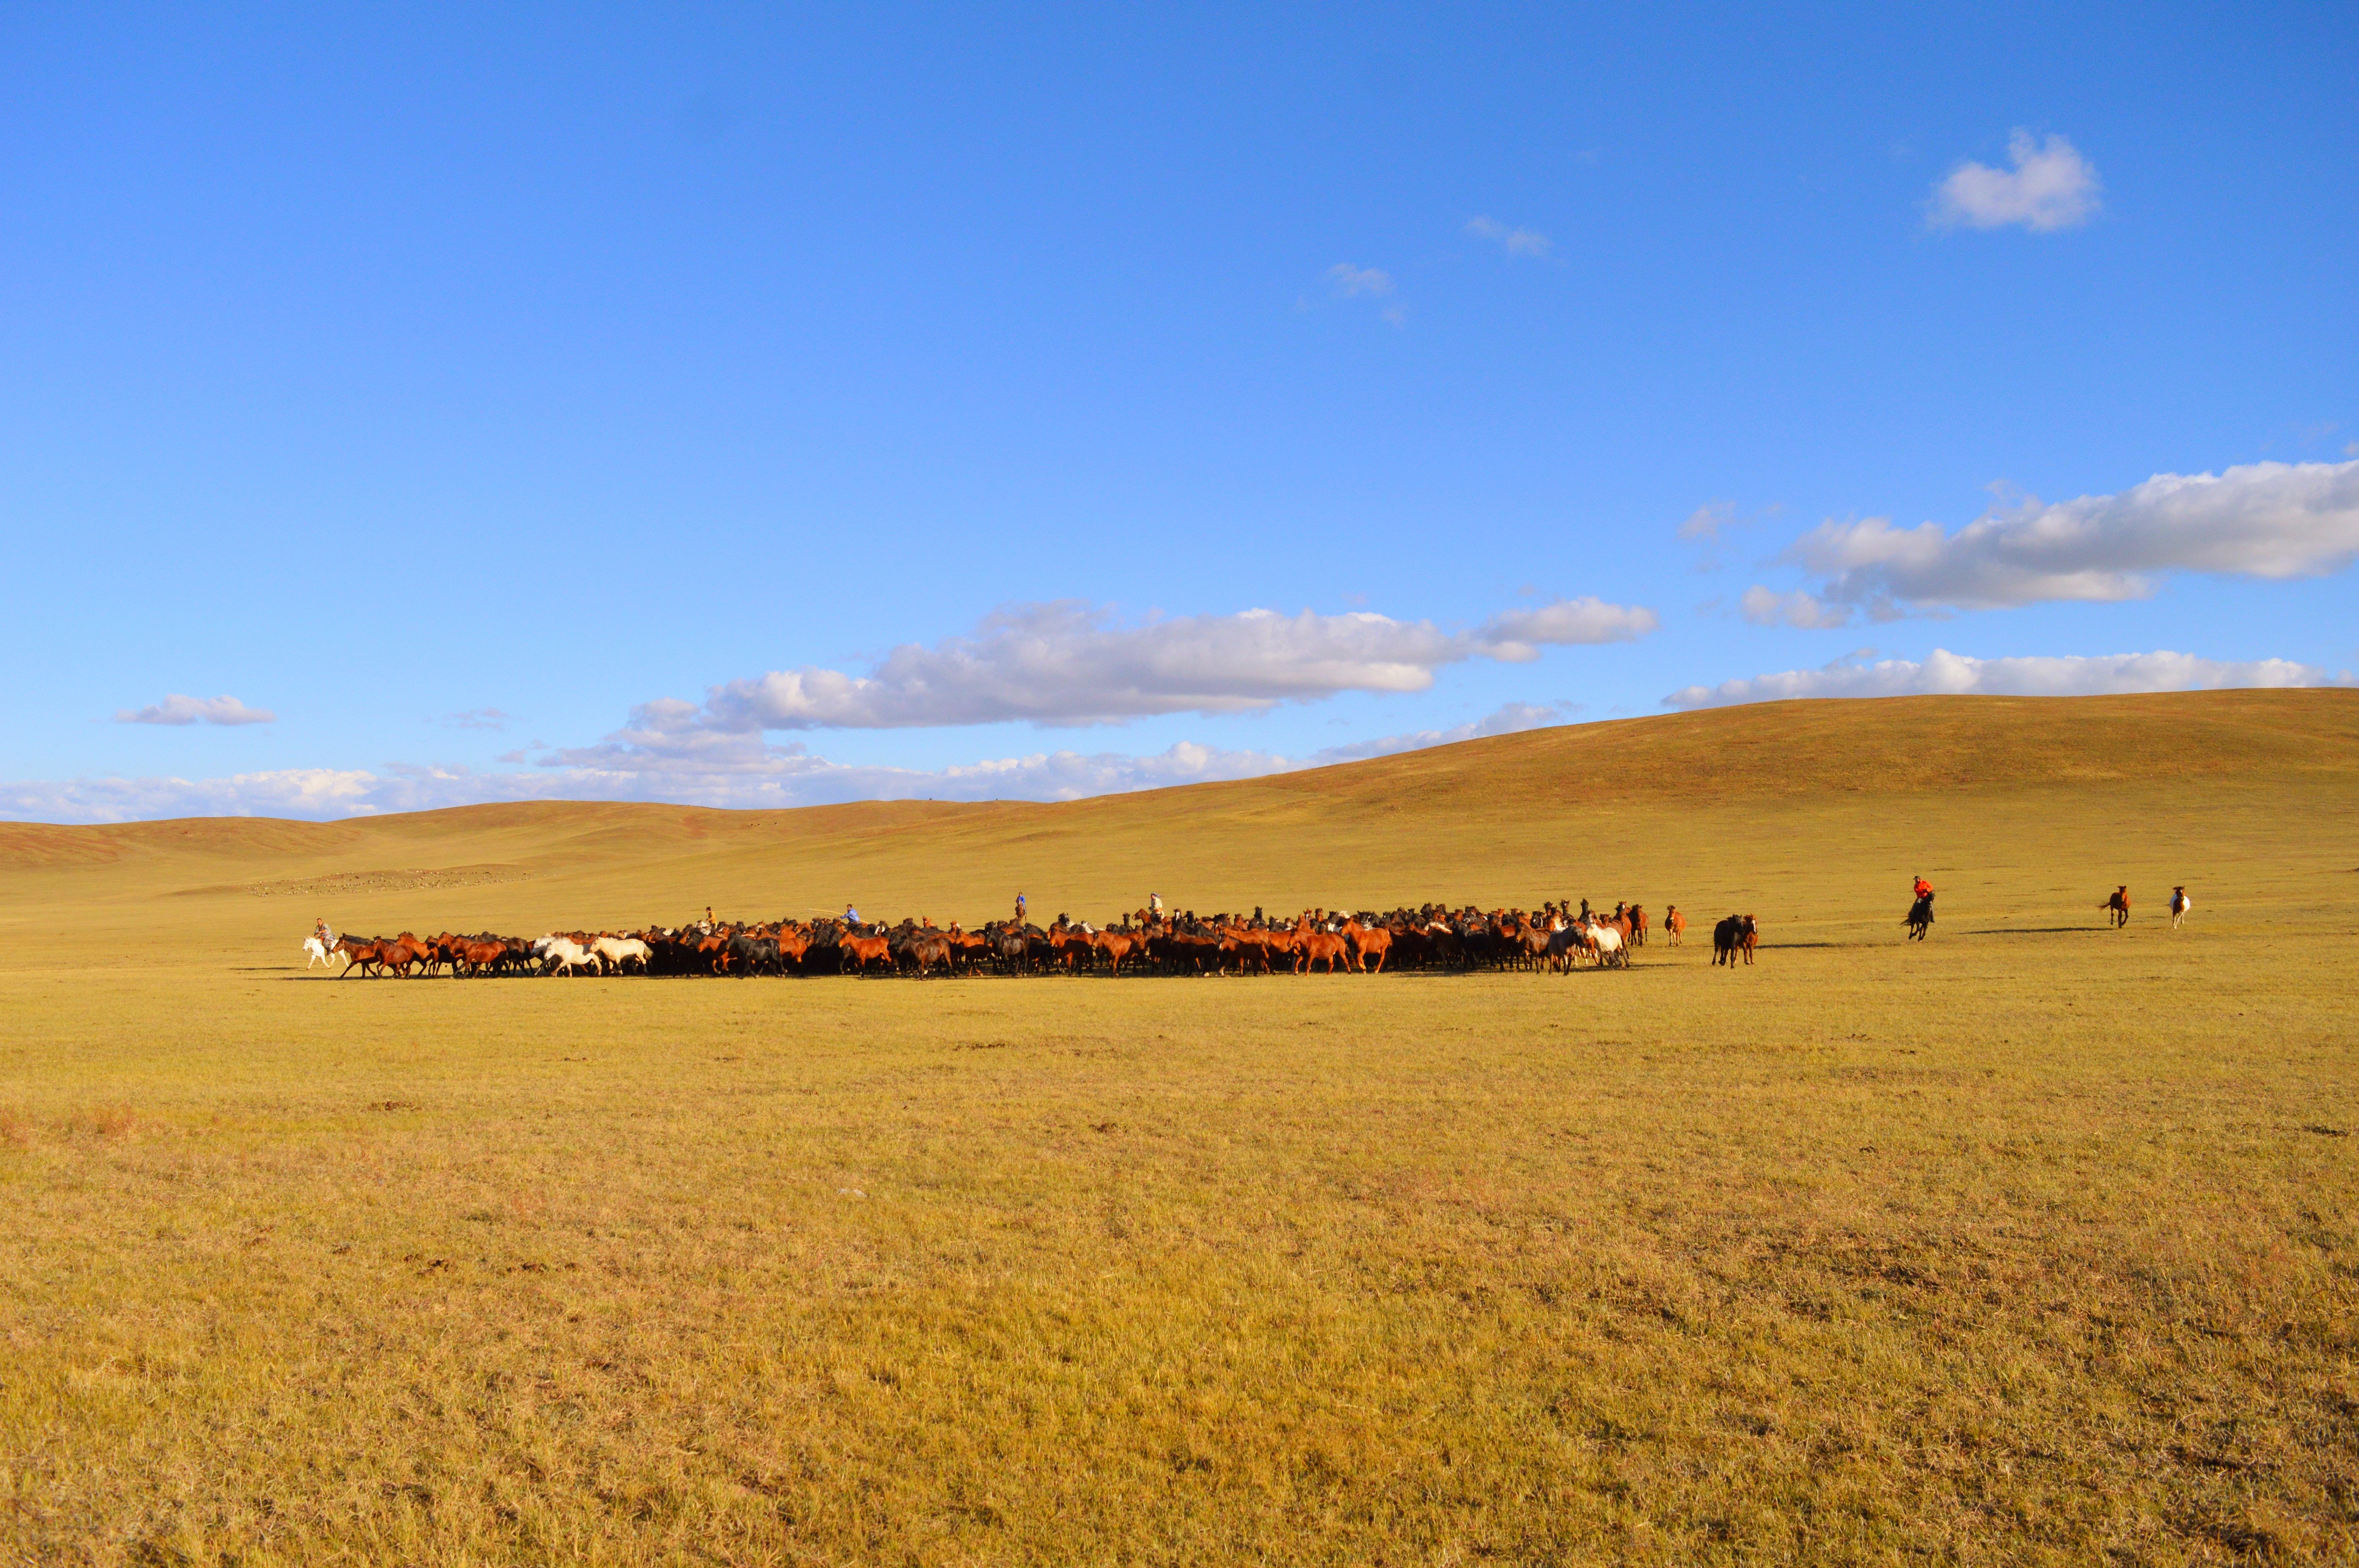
<point x="587" y="401"/>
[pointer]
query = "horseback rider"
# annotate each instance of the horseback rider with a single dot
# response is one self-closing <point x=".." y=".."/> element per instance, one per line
<point x="1923" y="887"/>
<point x="1019" y="909"/>
<point x="327" y="936"/>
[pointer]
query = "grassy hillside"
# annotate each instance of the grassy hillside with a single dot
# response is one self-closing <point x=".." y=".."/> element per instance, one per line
<point x="2039" y="1242"/>
<point x="2020" y="807"/>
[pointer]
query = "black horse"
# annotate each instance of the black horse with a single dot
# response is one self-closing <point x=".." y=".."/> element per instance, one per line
<point x="1920" y="918"/>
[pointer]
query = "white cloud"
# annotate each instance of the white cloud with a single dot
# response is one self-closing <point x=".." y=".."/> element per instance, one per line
<point x="179" y="710"/>
<point x="1512" y="636"/>
<point x="1354" y="281"/>
<point x="1763" y="608"/>
<point x="2262" y="520"/>
<point x="1070" y="663"/>
<point x="297" y="792"/>
<point x="2051" y="186"/>
<point x="1517" y="242"/>
<point x="700" y="767"/>
<point x="1946" y="673"/>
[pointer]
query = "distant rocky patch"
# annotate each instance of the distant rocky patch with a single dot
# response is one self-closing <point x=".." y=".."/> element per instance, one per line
<point x="345" y="883"/>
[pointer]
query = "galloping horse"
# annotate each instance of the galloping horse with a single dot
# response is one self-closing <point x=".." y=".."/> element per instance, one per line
<point x="2179" y="904"/>
<point x="1638" y="925"/>
<point x="317" y="952"/>
<point x="1920" y="918"/>
<point x="363" y="957"/>
<point x="1675" y="924"/>
<point x="2119" y="906"/>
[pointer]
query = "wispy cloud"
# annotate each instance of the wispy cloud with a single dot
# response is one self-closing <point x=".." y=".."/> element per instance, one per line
<point x="2262" y="519"/>
<point x="1070" y="663"/>
<point x="1946" y="673"/>
<point x="696" y="768"/>
<point x="2050" y="186"/>
<point x="1710" y="521"/>
<point x="179" y="710"/>
<point x="479" y="719"/>
<point x="1765" y="608"/>
<point x="1352" y="282"/>
<point x="1514" y="242"/>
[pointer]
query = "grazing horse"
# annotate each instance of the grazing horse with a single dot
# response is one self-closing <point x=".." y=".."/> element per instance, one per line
<point x="1675" y="925"/>
<point x="2118" y="905"/>
<point x="2179" y="904"/>
<point x="1920" y="918"/>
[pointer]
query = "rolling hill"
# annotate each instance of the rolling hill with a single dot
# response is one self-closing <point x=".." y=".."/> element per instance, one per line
<point x="1731" y="805"/>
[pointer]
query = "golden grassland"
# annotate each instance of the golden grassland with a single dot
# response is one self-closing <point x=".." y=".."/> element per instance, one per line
<point x="2036" y="1242"/>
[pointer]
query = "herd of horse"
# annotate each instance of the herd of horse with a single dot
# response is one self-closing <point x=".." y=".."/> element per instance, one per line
<point x="1554" y="939"/>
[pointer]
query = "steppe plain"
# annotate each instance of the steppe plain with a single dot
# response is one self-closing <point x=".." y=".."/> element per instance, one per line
<point x="2036" y="1242"/>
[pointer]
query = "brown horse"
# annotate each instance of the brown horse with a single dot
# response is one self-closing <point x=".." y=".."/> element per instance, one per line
<point x="1638" y="925"/>
<point x="1320" y="947"/>
<point x="1119" y="947"/>
<point x="2118" y="905"/>
<point x="1675" y="925"/>
<point x="365" y="956"/>
<point x="1366" y="940"/>
<point x="931" y="950"/>
<point x="860" y="951"/>
<point x="475" y="957"/>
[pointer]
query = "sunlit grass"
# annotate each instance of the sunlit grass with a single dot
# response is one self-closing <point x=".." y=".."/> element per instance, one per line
<point x="2036" y="1242"/>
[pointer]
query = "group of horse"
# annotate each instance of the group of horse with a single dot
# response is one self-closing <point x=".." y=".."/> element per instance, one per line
<point x="1555" y="938"/>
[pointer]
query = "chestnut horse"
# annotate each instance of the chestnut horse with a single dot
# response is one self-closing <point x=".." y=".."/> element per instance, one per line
<point x="860" y="951"/>
<point x="362" y="956"/>
<point x="2118" y="905"/>
<point x="1675" y="925"/>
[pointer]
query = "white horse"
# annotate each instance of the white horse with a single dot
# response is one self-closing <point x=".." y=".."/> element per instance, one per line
<point x="562" y="954"/>
<point x="616" y="951"/>
<point x="2179" y="904"/>
<point x="318" y="951"/>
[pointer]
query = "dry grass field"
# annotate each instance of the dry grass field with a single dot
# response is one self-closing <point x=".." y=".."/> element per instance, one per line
<point x="2037" y="1242"/>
